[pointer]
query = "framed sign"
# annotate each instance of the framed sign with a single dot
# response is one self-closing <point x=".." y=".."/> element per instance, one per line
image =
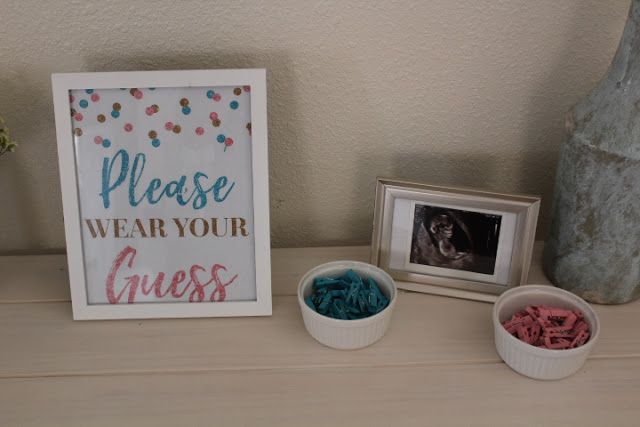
<point x="457" y="242"/>
<point x="165" y="192"/>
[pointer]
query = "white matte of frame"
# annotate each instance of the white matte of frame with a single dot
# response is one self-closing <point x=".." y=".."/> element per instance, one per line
<point x="509" y="223"/>
<point x="153" y="165"/>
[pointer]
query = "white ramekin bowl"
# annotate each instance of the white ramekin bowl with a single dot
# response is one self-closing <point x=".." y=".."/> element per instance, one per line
<point x="347" y="334"/>
<point x="531" y="361"/>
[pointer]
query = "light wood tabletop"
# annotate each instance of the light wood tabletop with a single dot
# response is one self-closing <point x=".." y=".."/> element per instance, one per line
<point x="437" y="365"/>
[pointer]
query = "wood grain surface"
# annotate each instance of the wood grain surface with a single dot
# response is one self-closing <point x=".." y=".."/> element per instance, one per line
<point x="437" y="365"/>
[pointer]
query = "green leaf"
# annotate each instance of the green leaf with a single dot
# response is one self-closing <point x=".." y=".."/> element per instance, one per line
<point x="6" y="144"/>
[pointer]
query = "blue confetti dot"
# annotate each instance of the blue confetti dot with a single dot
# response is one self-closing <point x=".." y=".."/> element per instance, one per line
<point x="115" y="114"/>
<point x="89" y="91"/>
<point x="106" y="143"/>
<point x="210" y="94"/>
<point x="84" y="103"/>
<point x="186" y="110"/>
<point x="155" y="142"/>
<point x="234" y="105"/>
<point x="221" y="138"/>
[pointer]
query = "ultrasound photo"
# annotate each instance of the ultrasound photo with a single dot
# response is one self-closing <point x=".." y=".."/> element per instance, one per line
<point x="455" y="239"/>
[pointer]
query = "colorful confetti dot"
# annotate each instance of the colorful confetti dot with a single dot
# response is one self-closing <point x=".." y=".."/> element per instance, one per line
<point x="73" y="112"/>
<point x="246" y="88"/>
<point x="137" y="94"/>
<point x="177" y="129"/>
<point x="237" y="91"/>
<point x="77" y="132"/>
<point x="89" y="91"/>
<point x="116" y="106"/>
<point x="149" y="111"/>
<point x="106" y="143"/>
<point x="210" y="94"/>
<point x="184" y="102"/>
<point x="78" y="117"/>
<point x="221" y="138"/>
<point x="217" y="97"/>
<point x="101" y="118"/>
<point x="98" y="140"/>
<point x="168" y="126"/>
<point x="115" y="114"/>
<point x="71" y="98"/>
<point x="213" y="115"/>
<point x="84" y="103"/>
<point x="216" y="122"/>
<point x="153" y="134"/>
<point x="228" y="142"/>
<point x="95" y="97"/>
<point x="128" y="127"/>
<point x="234" y="105"/>
<point x="199" y="131"/>
<point x="155" y="142"/>
<point x="186" y="110"/>
<point x="155" y="108"/>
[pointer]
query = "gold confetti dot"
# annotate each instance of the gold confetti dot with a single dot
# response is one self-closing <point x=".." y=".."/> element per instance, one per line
<point x="184" y="102"/>
<point x="215" y="122"/>
<point x="237" y="91"/>
<point x="117" y="107"/>
<point x="101" y="118"/>
<point x="153" y="134"/>
<point x="77" y="131"/>
<point x="132" y="91"/>
<point x="73" y="112"/>
<point x="177" y="129"/>
<point x="155" y="108"/>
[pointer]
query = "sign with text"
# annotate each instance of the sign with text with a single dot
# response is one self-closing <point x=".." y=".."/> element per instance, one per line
<point x="164" y="179"/>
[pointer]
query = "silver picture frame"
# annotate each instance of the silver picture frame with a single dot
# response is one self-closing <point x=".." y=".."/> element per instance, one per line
<point x="394" y="238"/>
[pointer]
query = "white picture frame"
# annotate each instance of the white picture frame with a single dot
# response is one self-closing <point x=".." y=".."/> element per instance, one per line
<point x="253" y="81"/>
<point x="401" y="227"/>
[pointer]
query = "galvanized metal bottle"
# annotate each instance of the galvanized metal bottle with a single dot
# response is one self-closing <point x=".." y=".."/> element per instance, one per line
<point x="593" y="249"/>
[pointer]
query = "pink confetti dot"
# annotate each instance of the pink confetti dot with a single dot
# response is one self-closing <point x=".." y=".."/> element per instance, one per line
<point x="213" y="116"/>
<point x="149" y="111"/>
<point x="137" y="94"/>
<point x="128" y="127"/>
<point x="168" y="126"/>
<point x="95" y="97"/>
<point x="228" y="142"/>
<point x="97" y="140"/>
<point x="71" y="98"/>
<point x="199" y="131"/>
<point x="78" y="117"/>
<point x="217" y="97"/>
<point x="246" y="88"/>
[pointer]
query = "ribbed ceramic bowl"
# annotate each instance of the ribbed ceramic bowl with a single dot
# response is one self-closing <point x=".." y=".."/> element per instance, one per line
<point x="347" y="334"/>
<point x="534" y="362"/>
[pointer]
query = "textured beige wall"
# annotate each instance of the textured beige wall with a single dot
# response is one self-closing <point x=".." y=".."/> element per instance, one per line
<point x="448" y="92"/>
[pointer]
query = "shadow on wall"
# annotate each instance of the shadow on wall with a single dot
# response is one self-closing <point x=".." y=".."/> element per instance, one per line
<point x="19" y="199"/>
<point x="282" y="96"/>
<point x="453" y="170"/>
<point x="21" y="101"/>
<point x="290" y="158"/>
<point x="545" y="124"/>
